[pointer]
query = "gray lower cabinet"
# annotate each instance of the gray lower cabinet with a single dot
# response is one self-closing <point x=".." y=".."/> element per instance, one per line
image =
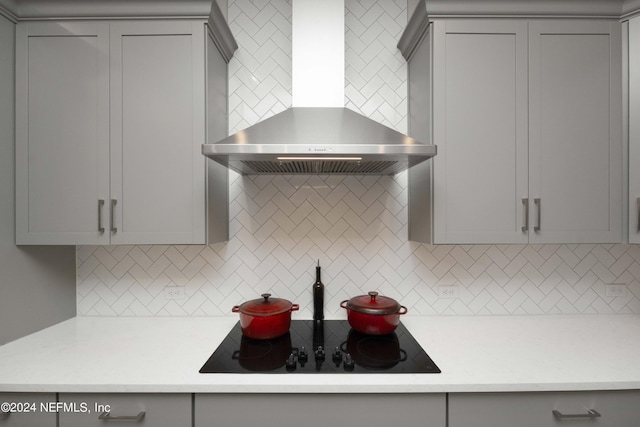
<point x="27" y="410"/>
<point x="153" y="410"/>
<point x="320" y="410"/>
<point x="575" y="409"/>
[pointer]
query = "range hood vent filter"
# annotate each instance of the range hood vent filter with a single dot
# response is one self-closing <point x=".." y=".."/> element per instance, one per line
<point x="320" y="167"/>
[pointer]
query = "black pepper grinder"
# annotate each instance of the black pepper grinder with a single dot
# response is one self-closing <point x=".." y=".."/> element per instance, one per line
<point x="318" y="296"/>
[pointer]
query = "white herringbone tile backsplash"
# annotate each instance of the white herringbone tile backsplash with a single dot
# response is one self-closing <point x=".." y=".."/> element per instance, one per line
<point x="260" y="70"/>
<point x="376" y="72"/>
<point x="357" y="226"/>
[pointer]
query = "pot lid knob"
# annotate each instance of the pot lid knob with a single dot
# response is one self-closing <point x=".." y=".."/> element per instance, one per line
<point x="266" y="297"/>
<point x="373" y="295"/>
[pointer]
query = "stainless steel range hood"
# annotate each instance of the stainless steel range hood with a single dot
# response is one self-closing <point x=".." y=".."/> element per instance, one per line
<point x="318" y="141"/>
<point x="318" y="135"/>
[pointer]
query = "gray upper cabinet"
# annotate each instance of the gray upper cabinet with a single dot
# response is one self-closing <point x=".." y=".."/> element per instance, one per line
<point x="634" y="130"/>
<point x="527" y="118"/>
<point x="480" y="127"/>
<point x="62" y="132"/>
<point x="157" y="128"/>
<point x="575" y="131"/>
<point x="110" y="121"/>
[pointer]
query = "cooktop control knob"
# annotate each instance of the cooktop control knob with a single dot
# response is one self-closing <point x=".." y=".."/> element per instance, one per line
<point x="348" y="363"/>
<point x="303" y="356"/>
<point x="320" y="354"/>
<point x="291" y="363"/>
<point x="337" y="355"/>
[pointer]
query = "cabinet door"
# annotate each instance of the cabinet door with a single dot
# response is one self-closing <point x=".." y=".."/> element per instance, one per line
<point x="575" y="131"/>
<point x="480" y="128"/>
<point x="28" y="410"/>
<point x="157" y="128"/>
<point x="634" y="130"/>
<point x="612" y="409"/>
<point x="62" y="132"/>
<point x="153" y="410"/>
<point x="319" y="410"/>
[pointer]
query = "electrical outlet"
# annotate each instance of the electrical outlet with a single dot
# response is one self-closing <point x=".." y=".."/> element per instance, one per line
<point x="174" y="292"/>
<point x="448" y="291"/>
<point x="615" y="290"/>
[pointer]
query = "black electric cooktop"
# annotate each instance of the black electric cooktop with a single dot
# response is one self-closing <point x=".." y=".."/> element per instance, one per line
<point x="328" y="346"/>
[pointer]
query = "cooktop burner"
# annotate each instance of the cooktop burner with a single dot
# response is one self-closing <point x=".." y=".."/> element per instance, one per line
<point x="328" y="346"/>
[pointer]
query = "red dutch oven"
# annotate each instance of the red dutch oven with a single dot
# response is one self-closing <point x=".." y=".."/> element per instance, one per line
<point x="265" y="318"/>
<point x="373" y="314"/>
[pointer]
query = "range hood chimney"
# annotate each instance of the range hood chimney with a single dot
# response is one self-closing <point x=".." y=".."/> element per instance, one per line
<point x="318" y="135"/>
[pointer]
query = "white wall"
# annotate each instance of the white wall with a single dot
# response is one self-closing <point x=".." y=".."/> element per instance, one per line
<point x="37" y="284"/>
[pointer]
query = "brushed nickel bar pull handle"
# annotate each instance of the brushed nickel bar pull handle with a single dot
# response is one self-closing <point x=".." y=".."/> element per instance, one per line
<point x="100" y="206"/>
<point x="108" y="417"/>
<point x="113" y="208"/>
<point x="536" y="201"/>
<point x="525" y="227"/>
<point x="591" y="413"/>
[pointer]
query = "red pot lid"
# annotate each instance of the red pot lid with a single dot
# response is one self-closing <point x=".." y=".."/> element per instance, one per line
<point x="265" y="306"/>
<point x="374" y="304"/>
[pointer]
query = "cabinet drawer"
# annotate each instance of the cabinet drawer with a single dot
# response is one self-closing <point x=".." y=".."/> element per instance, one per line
<point x="35" y="417"/>
<point x="320" y="410"/>
<point x="575" y="409"/>
<point x="153" y="410"/>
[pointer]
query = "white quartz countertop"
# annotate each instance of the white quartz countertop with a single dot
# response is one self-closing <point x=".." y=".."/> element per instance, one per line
<point x="475" y="354"/>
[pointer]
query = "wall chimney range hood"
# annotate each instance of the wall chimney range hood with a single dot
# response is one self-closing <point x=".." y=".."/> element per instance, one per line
<point x="318" y="140"/>
<point x="318" y="135"/>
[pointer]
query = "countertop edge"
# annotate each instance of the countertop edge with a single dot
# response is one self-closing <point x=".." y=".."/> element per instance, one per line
<point x="326" y="389"/>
